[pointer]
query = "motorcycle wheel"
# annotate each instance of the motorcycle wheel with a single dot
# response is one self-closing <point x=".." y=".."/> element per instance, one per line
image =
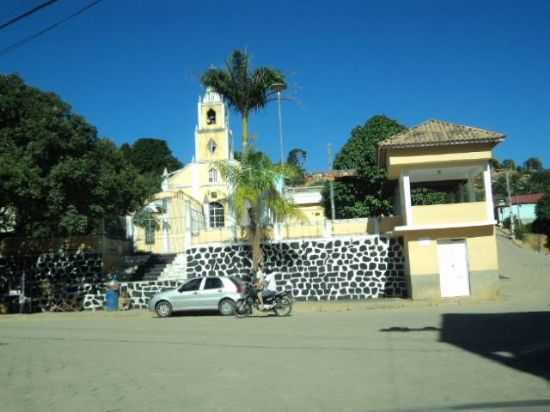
<point x="242" y="309"/>
<point x="283" y="306"/>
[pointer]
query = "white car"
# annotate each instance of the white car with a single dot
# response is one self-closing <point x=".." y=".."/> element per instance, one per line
<point x="205" y="293"/>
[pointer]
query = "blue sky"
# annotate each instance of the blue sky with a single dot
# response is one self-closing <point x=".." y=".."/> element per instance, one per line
<point x="132" y="67"/>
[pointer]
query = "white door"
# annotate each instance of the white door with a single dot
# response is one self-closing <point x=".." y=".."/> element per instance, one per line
<point x="453" y="268"/>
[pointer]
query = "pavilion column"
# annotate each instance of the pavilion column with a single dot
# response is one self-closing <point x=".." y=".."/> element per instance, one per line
<point x="488" y="192"/>
<point x="405" y="192"/>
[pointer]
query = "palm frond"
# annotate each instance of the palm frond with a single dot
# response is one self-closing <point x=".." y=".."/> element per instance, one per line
<point x="243" y="89"/>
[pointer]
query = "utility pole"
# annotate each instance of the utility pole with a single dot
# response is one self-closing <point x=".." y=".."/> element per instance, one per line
<point x="331" y="184"/>
<point x="279" y="87"/>
<point x="512" y="217"/>
<point x="280" y="127"/>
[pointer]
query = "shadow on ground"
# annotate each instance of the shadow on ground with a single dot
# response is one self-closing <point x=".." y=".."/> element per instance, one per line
<point x="407" y="329"/>
<point x="534" y="405"/>
<point x="517" y="340"/>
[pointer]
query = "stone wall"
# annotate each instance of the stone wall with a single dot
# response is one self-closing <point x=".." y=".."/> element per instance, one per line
<point x="140" y="293"/>
<point x="53" y="280"/>
<point x="315" y="269"/>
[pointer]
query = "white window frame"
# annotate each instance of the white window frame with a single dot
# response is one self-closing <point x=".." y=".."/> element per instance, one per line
<point x="216" y="215"/>
<point x="213" y="175"/>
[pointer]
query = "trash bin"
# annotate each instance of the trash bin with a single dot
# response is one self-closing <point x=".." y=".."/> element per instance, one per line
<point x="111" y="299"/>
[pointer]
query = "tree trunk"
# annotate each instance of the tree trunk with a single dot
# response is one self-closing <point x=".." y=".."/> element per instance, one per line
<point x="255" y="237"/>
<point x="245" y="132"/>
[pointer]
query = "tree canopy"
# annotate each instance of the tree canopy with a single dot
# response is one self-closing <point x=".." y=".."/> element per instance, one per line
<point x="523" y="180"/>
<point x="256" y="196"/>
<point x="533" y="164"/>
<point x="369" y="193"/>
<point x="508" y="164"/>
<point x="150" y="157"/>
<point x="296" y="160"/>
<point x="57" y="177"/>
<point x="245" y="90"/>
<point x="542" y="210"/>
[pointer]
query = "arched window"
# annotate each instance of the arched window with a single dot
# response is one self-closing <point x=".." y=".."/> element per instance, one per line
<point x="212" y="146"/>
<point x="216" y="213"/>
<point x="212" y="176"/>
<point x="211" y="116"/>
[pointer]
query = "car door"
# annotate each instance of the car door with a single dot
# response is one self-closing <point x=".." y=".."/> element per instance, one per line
<point x="188" y="295"/>
<point x="211" y="293"/>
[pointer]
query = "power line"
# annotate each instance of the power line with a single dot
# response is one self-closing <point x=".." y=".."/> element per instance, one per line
<point x="47" y="29"/>
<point x="27" y="14"/>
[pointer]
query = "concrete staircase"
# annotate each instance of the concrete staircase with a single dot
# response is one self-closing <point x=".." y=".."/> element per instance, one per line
<point x="176" y="270"/>
<point x="156" y="265"/>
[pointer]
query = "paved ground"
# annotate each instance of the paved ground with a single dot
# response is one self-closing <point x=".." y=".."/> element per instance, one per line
<point x="475" y="357"/>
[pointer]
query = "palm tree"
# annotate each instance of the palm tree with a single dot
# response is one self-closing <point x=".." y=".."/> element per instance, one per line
<point x="245" y="90"/>
<point x="255" y="197"/>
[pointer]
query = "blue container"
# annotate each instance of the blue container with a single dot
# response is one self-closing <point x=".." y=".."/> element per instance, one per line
<point x="111" y="300"/>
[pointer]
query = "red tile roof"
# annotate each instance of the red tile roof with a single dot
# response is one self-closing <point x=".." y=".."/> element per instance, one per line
<point x="528" y="198"/>
<point x="440" y="133"/>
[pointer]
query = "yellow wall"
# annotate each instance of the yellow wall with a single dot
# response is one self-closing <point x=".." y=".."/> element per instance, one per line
<point x="222" y="142"/>
<point x="298" y="231"/>
<point x="450" y="213"/>
<point x="183" y="177"/>
<point x="313" y="213"/>
<point x="423" y="255"/>
<point x="398" y="159"/>
<point x="350" y="226"/>
<point x="215" y="236"/>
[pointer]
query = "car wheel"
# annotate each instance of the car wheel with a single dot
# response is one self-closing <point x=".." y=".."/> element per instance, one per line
<point x="226" y="307"/>
<point x="163" y="309"/>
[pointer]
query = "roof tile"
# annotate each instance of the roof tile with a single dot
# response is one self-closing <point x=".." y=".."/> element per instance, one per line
<point x="439" y="133"/>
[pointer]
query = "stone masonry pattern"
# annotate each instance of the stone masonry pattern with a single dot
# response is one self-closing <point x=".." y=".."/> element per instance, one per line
<point x="323" y="269"/>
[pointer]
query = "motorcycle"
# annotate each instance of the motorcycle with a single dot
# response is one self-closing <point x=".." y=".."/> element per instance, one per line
<point x="278" y="302"/>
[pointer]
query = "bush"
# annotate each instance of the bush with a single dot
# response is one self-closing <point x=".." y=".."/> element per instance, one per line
<point x="506" y="223"/>
<point x="542" y="223"/>
<point x="520" y="229"/>
<point x="541" y="226"/>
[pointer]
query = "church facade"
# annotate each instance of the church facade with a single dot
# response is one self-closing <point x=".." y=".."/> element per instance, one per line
<point x="193" y="206"/>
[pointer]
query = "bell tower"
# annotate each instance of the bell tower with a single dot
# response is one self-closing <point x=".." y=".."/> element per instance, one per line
<point x="212" y="134"/>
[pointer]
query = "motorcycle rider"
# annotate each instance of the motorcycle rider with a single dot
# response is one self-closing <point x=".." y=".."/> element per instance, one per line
<point x="265" y="286"/>
<point x="259" y="286"/>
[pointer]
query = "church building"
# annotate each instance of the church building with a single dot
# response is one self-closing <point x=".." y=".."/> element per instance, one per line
<point x="193" y="206"/>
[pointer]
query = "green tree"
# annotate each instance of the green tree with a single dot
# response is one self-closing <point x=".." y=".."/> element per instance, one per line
<point x="56" y="176"/>
<point x="539" y="182"/>
<point x="495" y="164"/>
<point x="542" y="222"/>
<point x="426" y="196"/>
<point x="255" y="196"/>
<point x="520" y="183"/>
<point x="509" y="164"/>
<point x="245" y="90"/>
<point x="369" y="193"/>
<point x="533" y="164"/>
<point x="150" y="157"/>
<point x="296" y="159"/>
